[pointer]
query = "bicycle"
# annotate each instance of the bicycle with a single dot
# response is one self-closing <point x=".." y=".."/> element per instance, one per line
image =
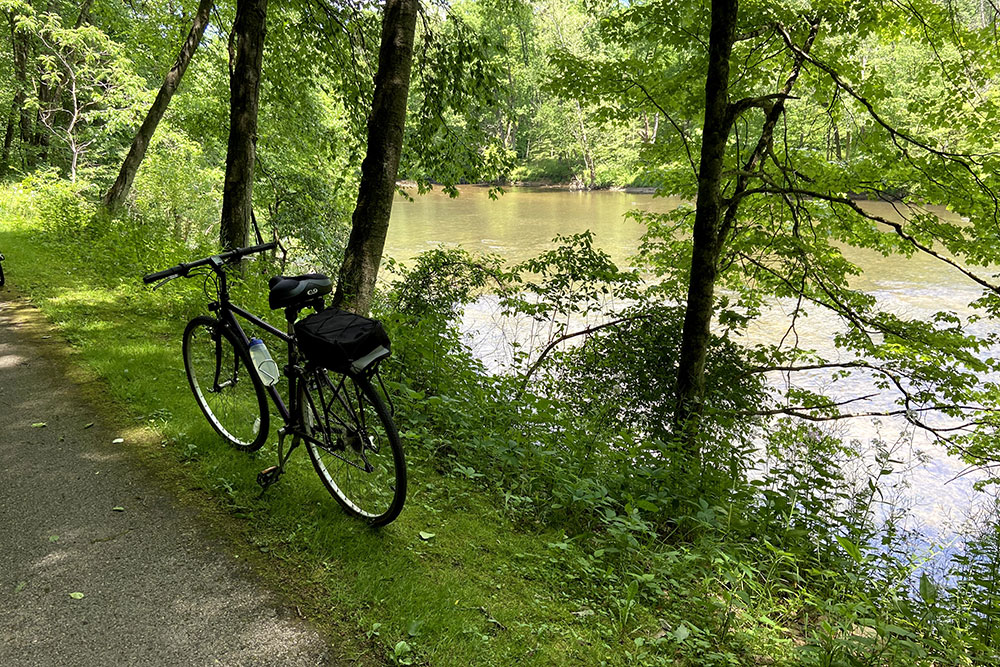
<point x="2" y="258"/>
<point x="345" y="425"/>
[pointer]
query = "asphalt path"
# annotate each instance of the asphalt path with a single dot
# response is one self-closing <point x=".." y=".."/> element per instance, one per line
<point x="98" y="565"/>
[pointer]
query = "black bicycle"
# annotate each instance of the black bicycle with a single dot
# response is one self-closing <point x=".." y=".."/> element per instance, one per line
<point x="333" y="406"/>
<point x="1" y="269"/>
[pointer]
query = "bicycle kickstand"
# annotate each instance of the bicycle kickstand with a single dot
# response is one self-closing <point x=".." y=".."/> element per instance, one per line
<point x="269" y="476"/>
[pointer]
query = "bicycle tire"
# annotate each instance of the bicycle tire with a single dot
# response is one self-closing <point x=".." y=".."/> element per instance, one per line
<point x="236" y="407"/>
<point x="361" y="432"/>
<point x="1" y="274"/>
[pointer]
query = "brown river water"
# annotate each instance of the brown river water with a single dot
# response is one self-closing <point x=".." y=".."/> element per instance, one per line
<point x="523" y="222"/>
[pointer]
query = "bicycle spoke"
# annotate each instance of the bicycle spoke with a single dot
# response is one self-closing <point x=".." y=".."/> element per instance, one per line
<point x="232" y="402"/>
<point x="356" y="463"/>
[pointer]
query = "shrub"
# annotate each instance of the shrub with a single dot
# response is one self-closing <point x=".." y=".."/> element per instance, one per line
<point x="547" y="170"/>
<point x="61" y="207"/>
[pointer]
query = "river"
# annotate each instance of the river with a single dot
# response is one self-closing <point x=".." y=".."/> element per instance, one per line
<point x="523" y="222"/>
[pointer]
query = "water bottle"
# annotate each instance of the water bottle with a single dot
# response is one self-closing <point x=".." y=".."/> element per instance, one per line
<point x="262" y="361"/>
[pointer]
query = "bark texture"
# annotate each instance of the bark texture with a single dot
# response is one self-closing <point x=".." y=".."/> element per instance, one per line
<point x="715" y="217"/>
<point x="244" y="98"/>
<point x="123" y="184"/>
<point x="370" y="221"/>
<point x="708" y="236"/>
<point x="19" y="115"/>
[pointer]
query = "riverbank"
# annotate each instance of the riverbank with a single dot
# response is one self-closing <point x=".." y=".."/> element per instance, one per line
<point x="541" y="529"/>
<point x="454" y="581"/>
<point x="568" y="186"/>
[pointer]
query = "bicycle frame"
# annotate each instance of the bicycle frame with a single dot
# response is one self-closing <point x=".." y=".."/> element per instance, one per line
<point x="292" y="413"/>
<point x="342" y="420"/>
<point x="227" y="311"/>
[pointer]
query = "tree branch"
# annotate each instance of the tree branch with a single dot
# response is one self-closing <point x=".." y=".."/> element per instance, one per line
<point x="670" y="119"/>
<point x="958" y="158"/>
<point x="561" y="339"/>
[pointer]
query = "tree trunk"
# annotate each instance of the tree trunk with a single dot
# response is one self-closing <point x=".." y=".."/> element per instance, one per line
<point x="19" y="42"/>
<point x="588" y="158"/>
<point x="17" y="114"/>
<point x="244" y="91"/>
<point x="707" y="225"/>
<point x="370" y="222"/>
<point x="8" y="140"/>
<point x="119" y="191"/>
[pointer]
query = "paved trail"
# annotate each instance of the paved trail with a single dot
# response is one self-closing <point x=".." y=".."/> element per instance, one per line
<point x="157" y="590"/>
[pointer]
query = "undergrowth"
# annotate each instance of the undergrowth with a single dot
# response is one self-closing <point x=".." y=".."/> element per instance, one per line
<point x="553" y="518"/>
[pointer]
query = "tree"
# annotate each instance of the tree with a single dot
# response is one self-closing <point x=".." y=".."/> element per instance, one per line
<point x="50" y="88"/>
<point x="773" y="176"/>
<point x="751" y="92"/>
<point x="19" y="115"/>
<point x="119" y="190"/>
<point x="709" y="233"/>
<point x="84" y="85"/>
<point x="370" y="222"/>
<point x="245" y="69"/>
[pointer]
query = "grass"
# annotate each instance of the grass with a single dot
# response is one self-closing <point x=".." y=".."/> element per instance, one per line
<point x="481" y="591"/>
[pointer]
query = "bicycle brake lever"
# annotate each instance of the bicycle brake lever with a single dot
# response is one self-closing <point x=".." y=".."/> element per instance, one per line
<point x="165" y="281"/>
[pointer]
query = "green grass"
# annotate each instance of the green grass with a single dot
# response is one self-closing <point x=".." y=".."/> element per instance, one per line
<point x="479" y="592"/>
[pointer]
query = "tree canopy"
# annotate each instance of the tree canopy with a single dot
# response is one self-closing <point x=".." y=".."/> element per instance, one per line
<point x="798" y="135"/>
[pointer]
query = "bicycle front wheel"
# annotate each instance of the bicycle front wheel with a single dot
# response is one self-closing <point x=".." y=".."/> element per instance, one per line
<point x="361" y="462"/>
<point x="225" y="384"/>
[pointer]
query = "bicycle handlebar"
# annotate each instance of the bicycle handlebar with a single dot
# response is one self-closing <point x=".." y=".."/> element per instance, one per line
<point x="183" y="268"/>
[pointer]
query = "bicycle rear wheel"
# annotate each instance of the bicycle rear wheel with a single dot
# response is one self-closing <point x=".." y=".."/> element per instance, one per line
<point x="225" y="385"/>
<point x="361" y="462"/>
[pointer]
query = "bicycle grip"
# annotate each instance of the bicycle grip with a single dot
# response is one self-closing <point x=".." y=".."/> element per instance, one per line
<point x="243" y="252"/>
<point x="159" y="275"/>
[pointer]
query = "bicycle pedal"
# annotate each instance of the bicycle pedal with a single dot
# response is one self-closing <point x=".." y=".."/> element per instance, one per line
<point x="268" y="476"/>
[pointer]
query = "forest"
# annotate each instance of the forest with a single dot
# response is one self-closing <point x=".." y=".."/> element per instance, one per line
<point x="638" y="485"/>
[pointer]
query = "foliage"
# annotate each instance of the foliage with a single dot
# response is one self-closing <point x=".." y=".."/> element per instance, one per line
<point x="546" y="170"/>
<point x="769" y="544"/>
<point x="456" y="73"/>
<point x="765" y="548"/>
<point x="177" y="193"/>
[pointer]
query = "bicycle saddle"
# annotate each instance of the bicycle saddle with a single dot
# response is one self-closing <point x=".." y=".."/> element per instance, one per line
<point x="294" y="290"/>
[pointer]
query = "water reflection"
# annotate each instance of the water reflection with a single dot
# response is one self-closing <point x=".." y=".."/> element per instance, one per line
<point x="520" y="224"/>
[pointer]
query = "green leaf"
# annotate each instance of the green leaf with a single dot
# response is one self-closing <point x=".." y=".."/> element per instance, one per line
<point x="902" y="632"/>
<point x="118" y="508"/>
<point x="681" y="633"/>
<point x="53" y="538"/>
<point x="76" y="596"/>
<point x="851" y="548"/>
<point x="426" y="536"/>
<point x="646" y="505"/>
<point x="928" y="591"/>
<point x="39" y="425"/>
<point x="401" y="648"/>
<point x="88" y="425"/>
